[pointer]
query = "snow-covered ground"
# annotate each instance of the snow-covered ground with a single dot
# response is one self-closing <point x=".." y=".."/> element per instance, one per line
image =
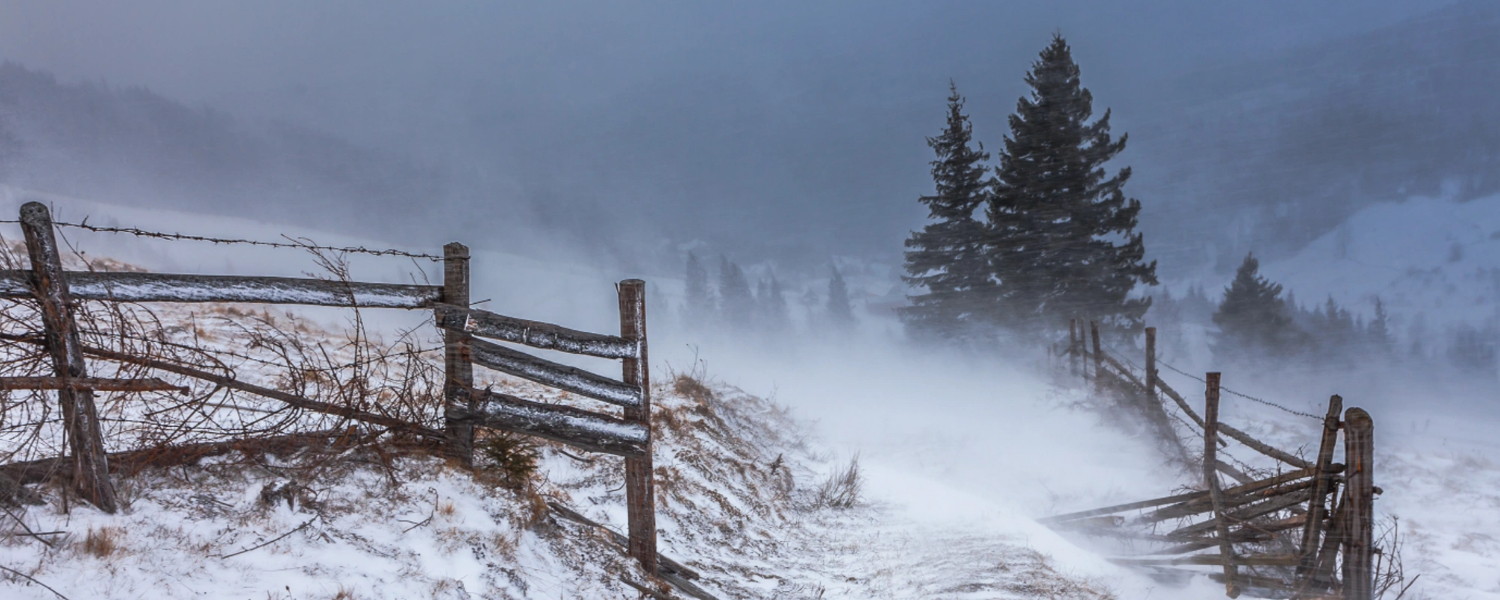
<point x="959" y="457"/>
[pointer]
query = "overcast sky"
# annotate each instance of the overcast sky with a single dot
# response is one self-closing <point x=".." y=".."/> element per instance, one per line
<point x="693" y="114"/>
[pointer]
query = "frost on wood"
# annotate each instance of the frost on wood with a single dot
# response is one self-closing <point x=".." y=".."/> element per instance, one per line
<point x="572" y="426"/>
<point x="534" y="333"/>
<point x="159" y="287"/>
<point x="549" y="373"/>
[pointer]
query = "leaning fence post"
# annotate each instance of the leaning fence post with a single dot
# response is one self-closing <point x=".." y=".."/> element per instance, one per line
<point x="1317" y="506"/>
<point x="458" y="370"/>
<point x="1098" y="357"/>
<point x="80" y="418"/>
<point x="640" y="493"/>
<point x="1073" y="345"/>
<point x="1211" y="479"/>
<point x="1359" y="460"/>
<point x="1151" y="363"/>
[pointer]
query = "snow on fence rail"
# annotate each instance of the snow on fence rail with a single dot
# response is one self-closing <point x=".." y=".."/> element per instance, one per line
<point x="465" y="407"/>
<point x="1306" y="533"/>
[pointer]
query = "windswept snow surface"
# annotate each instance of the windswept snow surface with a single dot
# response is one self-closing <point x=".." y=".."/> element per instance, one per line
<point x="959" y="456"/>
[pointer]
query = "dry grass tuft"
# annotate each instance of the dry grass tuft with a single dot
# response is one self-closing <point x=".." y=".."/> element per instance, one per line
<point x="692" y="388"/>
<point x="103" y="542"/>
<point x="842" y="488"/>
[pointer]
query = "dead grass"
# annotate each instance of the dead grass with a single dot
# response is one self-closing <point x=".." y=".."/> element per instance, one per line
<point x="842" y="488"/>
<point x="103" y="542"/>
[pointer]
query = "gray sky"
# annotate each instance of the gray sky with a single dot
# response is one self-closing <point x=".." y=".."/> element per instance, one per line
<point x="693" y="120"/>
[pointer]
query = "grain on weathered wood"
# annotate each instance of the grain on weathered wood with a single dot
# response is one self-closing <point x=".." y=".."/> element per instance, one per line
<point x="80" y="417"/>
<point x="1211" y="480"/>
<point x="458" y="362"/>
<point x="1359" y="489"/>
<point x="584" y="429"/>
<point x="548" y="373"/>
<point x="98" y="384"/>
<point x="536" y="334"/>
<point x="1122" y="507"/>
<point x="1203" y="505"/>
<point x="640" y="487"/>
<point x="1317" y="506"/>
<point x="167" y="287"/>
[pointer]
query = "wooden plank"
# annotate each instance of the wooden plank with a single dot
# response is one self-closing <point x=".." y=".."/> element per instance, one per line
<point x="97" y="384"/>
<point x="1211" y="479"/>
<point x="536" y="334"/>
<point x="1246" y="513"/>
<point x="458" y="365"/>
<point x="166" y="287"/>
<point x="640" y="486"/>
<point x="546" y="372"/>
<point x="1203" y="505"/>
<point x="1317" y="505"/>
<point x="1263" y="447"/>
<point x="1250" y="560"/>
<point x="80" y="417"/>
<point x="1122" y="507"/>
<point x="576" y="427"/>
<point x="1359" y="489"/>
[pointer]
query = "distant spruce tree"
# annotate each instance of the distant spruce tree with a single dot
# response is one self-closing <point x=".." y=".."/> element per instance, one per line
<point x="698" y="299"/>
<point x="1253" y="319"/>
<point x="736" y="303"/>
<point x="1378" y="332"/>
<point x="946" y="262"/>
<point x="1062" y="234"/>
<point x="840" y="311"/>
<point x="776" y="315"/>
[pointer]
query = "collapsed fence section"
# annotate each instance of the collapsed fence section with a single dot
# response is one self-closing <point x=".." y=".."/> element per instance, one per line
<point x="57" y="295"/>
<point x="1305" y="531"/>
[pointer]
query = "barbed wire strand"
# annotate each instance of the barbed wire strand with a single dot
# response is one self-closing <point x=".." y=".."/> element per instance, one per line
<point x="292" y="243"/>
<point x="1232" y="392"/>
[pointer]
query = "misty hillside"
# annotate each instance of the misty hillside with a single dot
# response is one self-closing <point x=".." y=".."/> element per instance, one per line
<point x="132" y="145"/>
<point x="1275" y="152"/>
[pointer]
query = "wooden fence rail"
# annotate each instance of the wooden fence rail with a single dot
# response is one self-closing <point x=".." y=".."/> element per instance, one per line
<point x="1332" y="553"/>
<point x="465" y="407"/>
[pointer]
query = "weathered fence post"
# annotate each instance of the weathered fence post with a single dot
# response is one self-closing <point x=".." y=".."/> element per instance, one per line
<point x="1073" y="345"/>
<point x="1359" y="489"/>
<point x="1211" y="479"/>
<point x="458" y="370"/>
<point x="640" y="493"/>
<point x="1317" y="506"/>
<point x="80" y="418"/>
<point x="1151" y="363"/>
<point x="1098" y="357"/>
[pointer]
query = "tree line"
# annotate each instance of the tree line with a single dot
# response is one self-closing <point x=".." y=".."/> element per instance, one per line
<point x="729" y="300"/>
<point x="1055" y="238"/>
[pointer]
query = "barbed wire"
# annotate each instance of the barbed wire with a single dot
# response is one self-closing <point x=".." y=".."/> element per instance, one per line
<point x="1245" y="396"/>
<point x="298" y="243"/>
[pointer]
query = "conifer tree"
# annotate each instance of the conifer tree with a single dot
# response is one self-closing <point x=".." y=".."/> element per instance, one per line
<point x="736" y="302"/>
<point x="946" y="261"/>
<point x="775" y="312"/>
<point x="1253" y="319"/>
<point x="1379" y="330"/>
<point x="698" y="299"/>
<point x="840" y="312"/>
<point x="1062" y="233"/>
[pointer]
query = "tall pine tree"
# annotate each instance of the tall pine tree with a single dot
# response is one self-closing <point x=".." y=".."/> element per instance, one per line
<point x="1062" y="233"/>
<point x="946" y="260"/>
<point x="840" y="311"/>
<point x="736" y="302"/>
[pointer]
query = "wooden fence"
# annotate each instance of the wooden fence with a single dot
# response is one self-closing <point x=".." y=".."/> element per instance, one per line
<point x="465" y="406"/>
<point x="1305" y="532"/>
